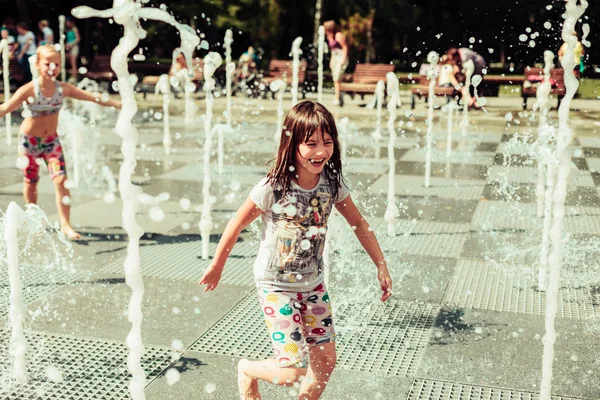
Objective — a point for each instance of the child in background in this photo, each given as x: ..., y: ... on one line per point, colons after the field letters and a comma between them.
x: 43, y: 98
x: 295, y: 200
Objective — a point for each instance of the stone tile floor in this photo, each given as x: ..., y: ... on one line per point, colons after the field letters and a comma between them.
x: 466, y: 319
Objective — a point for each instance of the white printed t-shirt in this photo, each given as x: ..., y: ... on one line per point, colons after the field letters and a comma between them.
x: 290, y: 257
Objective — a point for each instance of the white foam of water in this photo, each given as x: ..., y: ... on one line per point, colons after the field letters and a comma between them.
x: 230, y: 69
x: 321, y: 42
x: 433, y: 59
x: 295, y: 68
x: 212, y: 61
x: 61, y: 41
x: 163, y: 86
x: 278, y: 86
x: 5, y: 72
x: 391, y: 212
x: 573, y: 13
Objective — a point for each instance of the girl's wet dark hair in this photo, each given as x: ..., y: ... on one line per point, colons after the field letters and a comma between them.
x: 301, y: 122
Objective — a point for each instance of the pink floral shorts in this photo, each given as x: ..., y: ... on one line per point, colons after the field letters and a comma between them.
x: 47, y: 148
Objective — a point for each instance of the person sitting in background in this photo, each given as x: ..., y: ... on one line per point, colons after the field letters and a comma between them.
x: 462, y: 58
x: 5, y: 35
x: 179, y: 73
x: 247, y: 63
x: 27, y: 48
x: 447, y: 75
x: 47, y: 34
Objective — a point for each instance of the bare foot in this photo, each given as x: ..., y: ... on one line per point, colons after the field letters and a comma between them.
x: 248, y: 387
x: 70, y: 232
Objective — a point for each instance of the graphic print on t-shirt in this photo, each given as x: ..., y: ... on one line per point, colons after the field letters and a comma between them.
x: 299, y: 230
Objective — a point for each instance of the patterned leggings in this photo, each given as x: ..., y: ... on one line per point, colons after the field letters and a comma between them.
x: 297, y: 321
x: 47, y: 148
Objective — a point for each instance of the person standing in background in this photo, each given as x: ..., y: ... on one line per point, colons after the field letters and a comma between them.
x: 47, y: 34
x: 339, y: 56
x: 27, y: 48
x: 72, y: 46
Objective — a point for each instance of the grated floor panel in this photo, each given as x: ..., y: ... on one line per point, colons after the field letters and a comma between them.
x: 406, y: 185
x: 479, y: 285
x: 180, y: 258
x: 391, y: 340
x: 91, y: 369
x: 427, y: 389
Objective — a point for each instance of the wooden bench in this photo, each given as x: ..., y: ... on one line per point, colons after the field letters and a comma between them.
x: 282, y: 69
x: 557, y: 78
x: 365, y: 78
x: 422, y: 88
x: 100, y: 69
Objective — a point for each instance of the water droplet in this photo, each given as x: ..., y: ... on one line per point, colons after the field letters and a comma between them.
x: 176, y: 345
x: 22, y: 162
x: 66, y: 200
x: 109, y: 197
x: 185, y: 203
x: 53, y: 374
x: 523, y: 37
x: 305, y: 244
x: 156, y: 214
x: 82, y: 70
x: 210, y: 387
x: 172, y: 376
x: 471, y: 40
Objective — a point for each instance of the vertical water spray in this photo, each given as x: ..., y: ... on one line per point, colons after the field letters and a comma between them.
x: 391, y: 212
x: 432, y: 59
x: 229, y: 69
x: 469, y: 69
x: 163, y: 86
x: 344, y: 126
x: 321, y: 43
x: 5, y: 61
x: 212, y: 61
x: 379, y: 98
x: 128, y: 14
x: 564, y: 136
x: 450, y: 107
x: 296, y: 51
x: 278, y: 86
x: 14, y: 218
x: 61, y: 41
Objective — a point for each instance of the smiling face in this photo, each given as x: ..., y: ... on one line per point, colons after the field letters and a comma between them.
x: 313, y: 154
x: 48, y: 64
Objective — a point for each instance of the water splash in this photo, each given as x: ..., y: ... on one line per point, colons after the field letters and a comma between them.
x: 278, y: 86
x: 564, y: 136
x: 230, y: 69
x: 321, y: 42
x: 433, y: 59
x: 163, y: 86
x: 5, y: 72
x: 212, y: 61
x: 391, y: 212
x: 296, y: 51
x: 61, y: 41
x: 128, y: 14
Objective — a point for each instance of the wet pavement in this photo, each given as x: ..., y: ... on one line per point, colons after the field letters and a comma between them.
x: 466, y: 319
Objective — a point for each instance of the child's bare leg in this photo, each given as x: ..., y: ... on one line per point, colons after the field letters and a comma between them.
x: 336, y: 85
x: 64, y: 210
x: 30, y: 192
x: 322, y: 362
x: 249, y: 372
x: 73, y: 60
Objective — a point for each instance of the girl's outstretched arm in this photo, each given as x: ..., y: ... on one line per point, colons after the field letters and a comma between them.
x: 16, y: 100
x: 76, y: 93
x: 247, y: 213
x: 367, y: 239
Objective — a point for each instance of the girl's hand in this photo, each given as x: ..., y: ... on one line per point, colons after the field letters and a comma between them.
x: 385, y: 282
x: 211, y: 277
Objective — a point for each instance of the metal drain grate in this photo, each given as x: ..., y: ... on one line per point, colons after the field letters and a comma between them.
x: 462, y: 189
x: 492, y: 214
x: 91, y: 369
x: 30, y: 294
x: 478, y: 285
x: 457, y: 157
x: 391, y: 341
x: 514, y: 175
x: 179, y: 258
x: 426, y: 389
